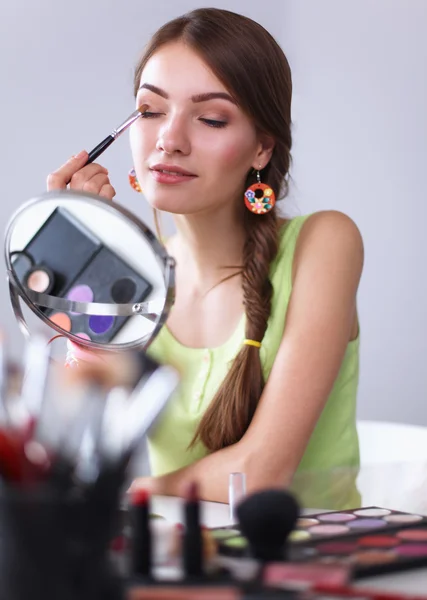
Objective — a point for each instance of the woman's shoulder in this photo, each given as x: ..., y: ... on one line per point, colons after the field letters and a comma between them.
x: 325, y: 221
x: 328, y: 230
x: 318, y: 237
x: 332, y: 220
x: 328, y: 240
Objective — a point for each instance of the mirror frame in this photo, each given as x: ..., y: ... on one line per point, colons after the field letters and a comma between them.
x: 18, y: 292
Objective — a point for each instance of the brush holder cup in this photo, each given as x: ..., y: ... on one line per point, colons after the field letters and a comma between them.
x: 89, y: 270
x: 55, y: 545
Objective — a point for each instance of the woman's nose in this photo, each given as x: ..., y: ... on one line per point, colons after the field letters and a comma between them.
x: 174, y: 137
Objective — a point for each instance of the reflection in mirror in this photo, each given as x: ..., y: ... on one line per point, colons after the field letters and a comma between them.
x: 89, y: 269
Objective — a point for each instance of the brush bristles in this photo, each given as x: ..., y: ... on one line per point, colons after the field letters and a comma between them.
x: 142, y: 108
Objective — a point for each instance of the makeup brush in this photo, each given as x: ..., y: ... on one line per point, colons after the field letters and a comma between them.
x: 99, y: 149
x: 37, y: 359
x: 266, y: 519
x: 3, y: 383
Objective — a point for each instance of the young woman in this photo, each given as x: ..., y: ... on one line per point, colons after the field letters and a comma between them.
x: 264, y: 328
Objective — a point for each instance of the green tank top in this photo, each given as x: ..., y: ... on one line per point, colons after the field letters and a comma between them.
x: 328, y: 469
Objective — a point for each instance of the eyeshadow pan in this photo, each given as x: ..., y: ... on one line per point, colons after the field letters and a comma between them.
x: 331, y: 560
x: 100, y: 323
x: 236, y: 542
x: 38, y: 281
x: 80, y: 293
x: 224, y: 534
x: 336, y: 517
x: 413, y: 535
x: 309, y: 551
x: 123, y: 290
x: 62, y: 320
x: 412, y: 550
x: 328, y: 529
x: 298, y: 536
x: 378, y: 541
x: 83, y: 335
x: 403, y: 519
x: 367, y: 524
x: 372, y: 512
x: 373, y: 557
x: 337, y: 547
x: 307, y: 522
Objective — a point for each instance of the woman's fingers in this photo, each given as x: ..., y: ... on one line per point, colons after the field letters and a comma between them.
x: 81, y: 178
x: 92, y: 178
x: 107, y: 191
x: 92, y: 185
x: 59, y: 179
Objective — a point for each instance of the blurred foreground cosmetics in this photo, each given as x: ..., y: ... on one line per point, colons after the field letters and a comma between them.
x: 66, y: 439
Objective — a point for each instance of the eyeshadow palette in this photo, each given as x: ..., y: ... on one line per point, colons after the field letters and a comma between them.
x: 81, y: 269
x: 50, y: 272
x: 371, y: 540
x: 356, y: 522
x: 106, y: 278
x: 370, y: 554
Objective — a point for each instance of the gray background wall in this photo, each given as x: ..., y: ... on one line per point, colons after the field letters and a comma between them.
x: 360, y: 140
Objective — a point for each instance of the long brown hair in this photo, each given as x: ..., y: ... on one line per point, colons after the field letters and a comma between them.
x: 252, y: 66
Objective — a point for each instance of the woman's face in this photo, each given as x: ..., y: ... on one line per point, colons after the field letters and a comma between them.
x: 193, y: 151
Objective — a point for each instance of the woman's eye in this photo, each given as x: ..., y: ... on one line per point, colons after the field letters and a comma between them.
x: 214, y: 122
x: 150, y: 115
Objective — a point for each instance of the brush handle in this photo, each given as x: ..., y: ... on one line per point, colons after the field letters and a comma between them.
x: 99, y: 149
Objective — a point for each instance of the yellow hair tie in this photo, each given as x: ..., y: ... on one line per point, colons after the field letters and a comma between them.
x: 252, y: 343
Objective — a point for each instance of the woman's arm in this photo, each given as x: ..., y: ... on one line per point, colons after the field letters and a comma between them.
x: 321, y: 313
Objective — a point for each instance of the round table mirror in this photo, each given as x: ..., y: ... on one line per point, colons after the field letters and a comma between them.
x: 89, y: 270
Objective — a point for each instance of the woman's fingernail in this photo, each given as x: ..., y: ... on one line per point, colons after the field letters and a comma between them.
x: 80, y: 154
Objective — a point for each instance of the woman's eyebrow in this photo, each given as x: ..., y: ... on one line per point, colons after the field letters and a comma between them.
x: 197, y: 98
x: 155, y: 89
x: 212, y: 96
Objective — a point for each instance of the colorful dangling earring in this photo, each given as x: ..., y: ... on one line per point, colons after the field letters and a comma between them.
x: 259, y: 197
x: 134, y: 181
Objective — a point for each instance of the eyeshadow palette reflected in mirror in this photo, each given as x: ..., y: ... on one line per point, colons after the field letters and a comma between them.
x: 106, y: 278
x: 67, y: 260
x: 55, y: 254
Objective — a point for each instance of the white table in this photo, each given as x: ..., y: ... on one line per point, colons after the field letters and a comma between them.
x: 214, y: 514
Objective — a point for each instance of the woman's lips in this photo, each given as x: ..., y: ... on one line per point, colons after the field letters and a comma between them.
x: 163, y: 173
x: 170, y: 176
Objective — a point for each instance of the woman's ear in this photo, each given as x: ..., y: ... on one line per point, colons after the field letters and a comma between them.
x: 264, y: 151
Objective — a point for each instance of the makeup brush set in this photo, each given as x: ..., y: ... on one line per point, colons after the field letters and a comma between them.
x: 66, y: 439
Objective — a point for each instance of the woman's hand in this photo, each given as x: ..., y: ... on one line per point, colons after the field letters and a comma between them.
x: 92, y: 178
x: 79, y: 354
x: 107, y: 368
x: 150, y: 484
